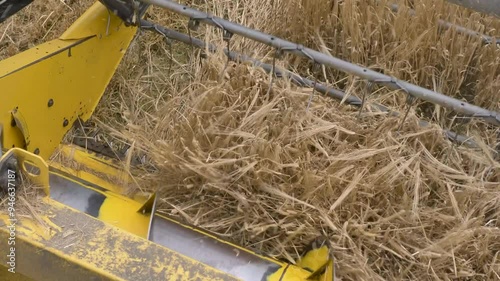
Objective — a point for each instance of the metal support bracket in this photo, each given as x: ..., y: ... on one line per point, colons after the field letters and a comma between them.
x: 32, y: 166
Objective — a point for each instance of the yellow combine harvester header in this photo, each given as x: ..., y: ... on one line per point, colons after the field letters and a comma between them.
x: 88, y: 230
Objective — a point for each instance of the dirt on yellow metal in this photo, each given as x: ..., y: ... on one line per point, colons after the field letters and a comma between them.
x: 46, y: 88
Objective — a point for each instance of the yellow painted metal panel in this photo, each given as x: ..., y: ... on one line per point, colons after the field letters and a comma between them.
x: 41, y: 178
x: 121, y: 212
x: 49, y: 86
x: 93, y: 168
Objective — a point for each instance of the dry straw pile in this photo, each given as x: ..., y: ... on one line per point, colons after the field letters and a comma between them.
x: 261, y: 170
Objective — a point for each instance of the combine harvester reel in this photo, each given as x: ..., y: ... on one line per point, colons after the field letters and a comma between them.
x: 89, y: 230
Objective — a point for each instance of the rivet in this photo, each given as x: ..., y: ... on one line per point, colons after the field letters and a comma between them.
x: 65, y: 123
x: 50, y: 103
x: 37, y: 151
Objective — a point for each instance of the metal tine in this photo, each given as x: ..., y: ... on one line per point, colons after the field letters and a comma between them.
x: 151, y: 26
x: 193, y: 24
x: 135, y: 16
x: 455, y: 140
x: 316, y: 69
x: 170, y: 49
x: 410, y: 99
x: 171, y: 58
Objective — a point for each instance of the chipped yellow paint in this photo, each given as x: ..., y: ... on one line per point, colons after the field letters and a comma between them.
x: 103, y: 250
x: 40, y: 247
x: 46, y: 219
x: 329, y: 274
x: 117, y: 210
x: 315, y: 259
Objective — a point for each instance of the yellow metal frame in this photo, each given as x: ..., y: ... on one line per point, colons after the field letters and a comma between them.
x: 46, y: 88
x: 89, y: 249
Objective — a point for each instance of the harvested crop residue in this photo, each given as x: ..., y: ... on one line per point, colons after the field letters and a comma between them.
x: 261, y: 169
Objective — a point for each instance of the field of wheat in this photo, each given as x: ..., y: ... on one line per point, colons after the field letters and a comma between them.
x: 263, y: 169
